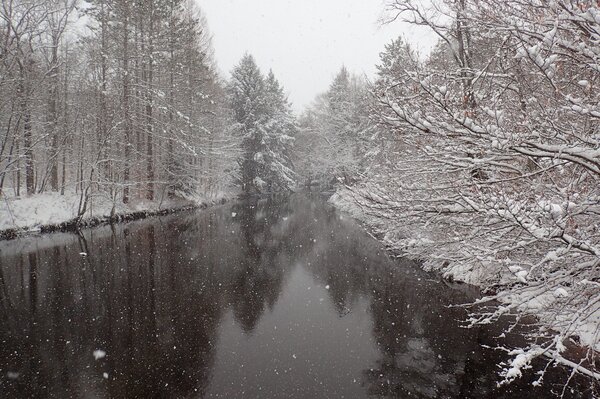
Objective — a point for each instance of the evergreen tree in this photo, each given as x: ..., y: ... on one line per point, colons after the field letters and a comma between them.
x: 280, y: 131
x: 339, y: 91
x: 397, y: 60
x: 246, y: 91
x: 266, y: 125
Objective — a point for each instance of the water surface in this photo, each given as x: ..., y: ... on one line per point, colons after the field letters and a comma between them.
x: 268, y: 299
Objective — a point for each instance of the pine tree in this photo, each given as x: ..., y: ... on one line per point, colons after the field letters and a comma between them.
x: 266, y: 125
x: 248, y: 103
x: 339, y: 91
x: 280, y: 130
x: 396, y: 60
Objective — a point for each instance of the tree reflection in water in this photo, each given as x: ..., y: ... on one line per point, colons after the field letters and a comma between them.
x: 155, y: 295
x: 257, y: 282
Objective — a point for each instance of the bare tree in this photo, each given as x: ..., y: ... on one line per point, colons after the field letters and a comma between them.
x: 495, y: 176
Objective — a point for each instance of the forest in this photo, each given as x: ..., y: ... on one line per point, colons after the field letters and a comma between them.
x: 480, y: 159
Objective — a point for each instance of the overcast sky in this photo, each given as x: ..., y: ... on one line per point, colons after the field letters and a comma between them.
x: 305, y: 42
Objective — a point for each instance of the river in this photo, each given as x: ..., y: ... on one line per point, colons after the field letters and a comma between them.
x: 259, y: 299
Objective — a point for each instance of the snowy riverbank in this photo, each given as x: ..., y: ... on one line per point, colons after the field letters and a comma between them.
x: 560, y: 326
x: 52, y: 211
x: 399, y: 236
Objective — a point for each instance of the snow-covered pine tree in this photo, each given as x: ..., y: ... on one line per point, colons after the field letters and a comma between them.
x: 266, y: 125
x: 246, y: 90
x: 339, y: 91
x: 279, y: 133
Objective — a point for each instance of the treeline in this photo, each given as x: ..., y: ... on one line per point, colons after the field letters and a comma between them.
x: 484, y: 159
x: 119, y: 98
x: 335, y: 132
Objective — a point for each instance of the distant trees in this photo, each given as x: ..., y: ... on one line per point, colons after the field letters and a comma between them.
x: 335, y: 131
x: 126, y: 108
x: 267, y: 128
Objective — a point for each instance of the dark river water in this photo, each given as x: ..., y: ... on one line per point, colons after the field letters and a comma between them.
x: 269, y: 299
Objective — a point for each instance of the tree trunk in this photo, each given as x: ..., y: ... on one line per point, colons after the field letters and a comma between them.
x: 126, y: 103
x: 53, y: 115
x: 170, y: 156
x: 103, y: 117
x: 27, y: 133
x: 18, y: 171
x: 65, y: 124
x: 149, y: 110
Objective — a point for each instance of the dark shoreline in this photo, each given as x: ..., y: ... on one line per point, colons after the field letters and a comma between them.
x: 74, y: 225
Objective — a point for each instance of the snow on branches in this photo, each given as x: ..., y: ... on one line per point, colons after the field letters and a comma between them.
x: 492, y: 171
x: 266, y: 126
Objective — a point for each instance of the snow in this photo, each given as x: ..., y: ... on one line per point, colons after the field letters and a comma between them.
x: 260, y: 183
x: 583, y: 83
x: 99, y: 354
x: 42, y: 209
x: 503, y: 193
x: 561, y: 293
x: 525, y: 297
x: 259, y: 158
x: 521, y: 361
x: 12, y: 375
x: 522, y: 276
x: 29, y: 213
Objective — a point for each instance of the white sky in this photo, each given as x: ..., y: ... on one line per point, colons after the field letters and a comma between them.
x: 305, y: 42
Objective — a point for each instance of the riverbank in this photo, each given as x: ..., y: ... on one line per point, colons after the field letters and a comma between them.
x: 49, y: 212
x: 560, y: 315
x: 397, y: 237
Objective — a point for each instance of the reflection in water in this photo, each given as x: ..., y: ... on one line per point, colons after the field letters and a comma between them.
x: 263, y: 299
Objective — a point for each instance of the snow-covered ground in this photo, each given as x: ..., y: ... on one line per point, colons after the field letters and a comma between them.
x: 397, y: 238
x: 29, y: 213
